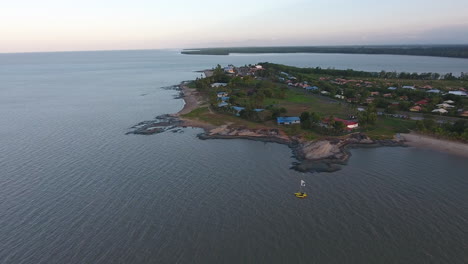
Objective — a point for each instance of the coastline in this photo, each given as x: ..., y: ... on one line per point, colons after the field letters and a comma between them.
x: 320, y: 155
x: 427, y: 142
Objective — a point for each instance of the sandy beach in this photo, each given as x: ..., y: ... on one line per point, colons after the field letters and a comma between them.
x: 191, y: 99
x: 423, y: 141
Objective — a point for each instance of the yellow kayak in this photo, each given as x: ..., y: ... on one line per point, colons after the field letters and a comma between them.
x: 300, y: 195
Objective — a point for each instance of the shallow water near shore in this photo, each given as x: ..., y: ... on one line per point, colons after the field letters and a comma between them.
x: 75, y: 189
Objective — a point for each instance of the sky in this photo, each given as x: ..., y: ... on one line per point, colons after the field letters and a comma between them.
x: 65, y: 25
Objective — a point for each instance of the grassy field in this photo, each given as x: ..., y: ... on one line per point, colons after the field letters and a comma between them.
x: 205, y: 115
x: 387, y: 127
x: 297, y: 101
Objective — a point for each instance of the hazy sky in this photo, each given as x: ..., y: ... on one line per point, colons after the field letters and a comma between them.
x: 59, y: 25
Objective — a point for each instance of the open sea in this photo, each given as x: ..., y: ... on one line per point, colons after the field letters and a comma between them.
x: 75, y: 189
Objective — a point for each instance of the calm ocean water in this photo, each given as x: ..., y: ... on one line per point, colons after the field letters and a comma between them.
x: 75, y: 189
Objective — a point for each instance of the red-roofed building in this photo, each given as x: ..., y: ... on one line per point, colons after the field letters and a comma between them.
x: 422, y: 102
x: 349, y: 124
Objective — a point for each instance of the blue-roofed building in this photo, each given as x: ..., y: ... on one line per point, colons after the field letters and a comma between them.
x: 224, y: 98
x: 392, y: 88
x: 259, y: 110
x: 238, y: 109
x: 311, y: 88
x: 223, y: 104
x: 434, y: 91
x: 288, y: 120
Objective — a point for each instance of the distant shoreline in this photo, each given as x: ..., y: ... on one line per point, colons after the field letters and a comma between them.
x: 450, y: 51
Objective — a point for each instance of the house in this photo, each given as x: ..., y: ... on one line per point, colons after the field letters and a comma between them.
x: 426, y: 87
x: 288, y: 120
x: 369, y: 100
x: 224, y: 99
x: 325, y: 92
x: 440, y: 111
x: 392, y: 88
x: 222, y: 94
x: 422, y: 102
x: 258, y: 110
x: 416, y: 108
x: 464, y: 113
x: 216, y: 85
x: 229, y: 69
x: 339, y: 96
x: 258, y: 67
x: 311, y: 88
x: 444, y: 105
x: 459, y: 93
x: 387, y: 95
x: 374, y: 93
x: 434, y: 91
x: 408, y: 87
x: 348, y: 123
x: 449, y: 102
x: 238, y: 109
x: 223, y: 104
x: 403, y: 98
x: 360, y: 109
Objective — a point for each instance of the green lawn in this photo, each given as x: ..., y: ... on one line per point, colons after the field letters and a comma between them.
x: 388, y: 127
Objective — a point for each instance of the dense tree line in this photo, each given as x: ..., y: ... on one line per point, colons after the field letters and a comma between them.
x: 299, y: 72
x: 456, y: 51
x: 457, y: 130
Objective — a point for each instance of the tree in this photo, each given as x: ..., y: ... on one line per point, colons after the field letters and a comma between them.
x: 339, y: 126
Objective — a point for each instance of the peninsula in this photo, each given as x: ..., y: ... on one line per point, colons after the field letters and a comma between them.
x: 320, y: 113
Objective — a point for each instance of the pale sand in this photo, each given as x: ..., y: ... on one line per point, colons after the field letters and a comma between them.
x: 191, y: 99
x: 423, y: 141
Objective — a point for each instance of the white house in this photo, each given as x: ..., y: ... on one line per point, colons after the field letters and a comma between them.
x: 459, y: 93
x: 440, y: 111
x: 216, y: 85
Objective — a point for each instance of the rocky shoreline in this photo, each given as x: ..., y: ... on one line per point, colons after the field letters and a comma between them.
x: 322, y: 155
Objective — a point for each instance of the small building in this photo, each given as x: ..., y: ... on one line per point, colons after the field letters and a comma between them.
x: 436, y: 91
x: 258, y: 110
x: 449, y: 102
x: 374, y: 93
x: 325, y: 92
x: 416, y: 108
x: 392, y: 88
x: 348, y: 123
x: 225, y: 98
x: 464, y: 114
x: 238, y: 109
x: 339, y: 96
x: 311, y: 88
x: 229, y: 69
x: 222, y: 94
x: 445, y: 106
x: 459, y: 93
x: 408, y: 87
x: 422, y: 102
x: 288, y: 120
x: 387, y: 95
x: 440, y: 111
x: 223, y: 104
x: 216, y: 85
x: 370, y: 100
